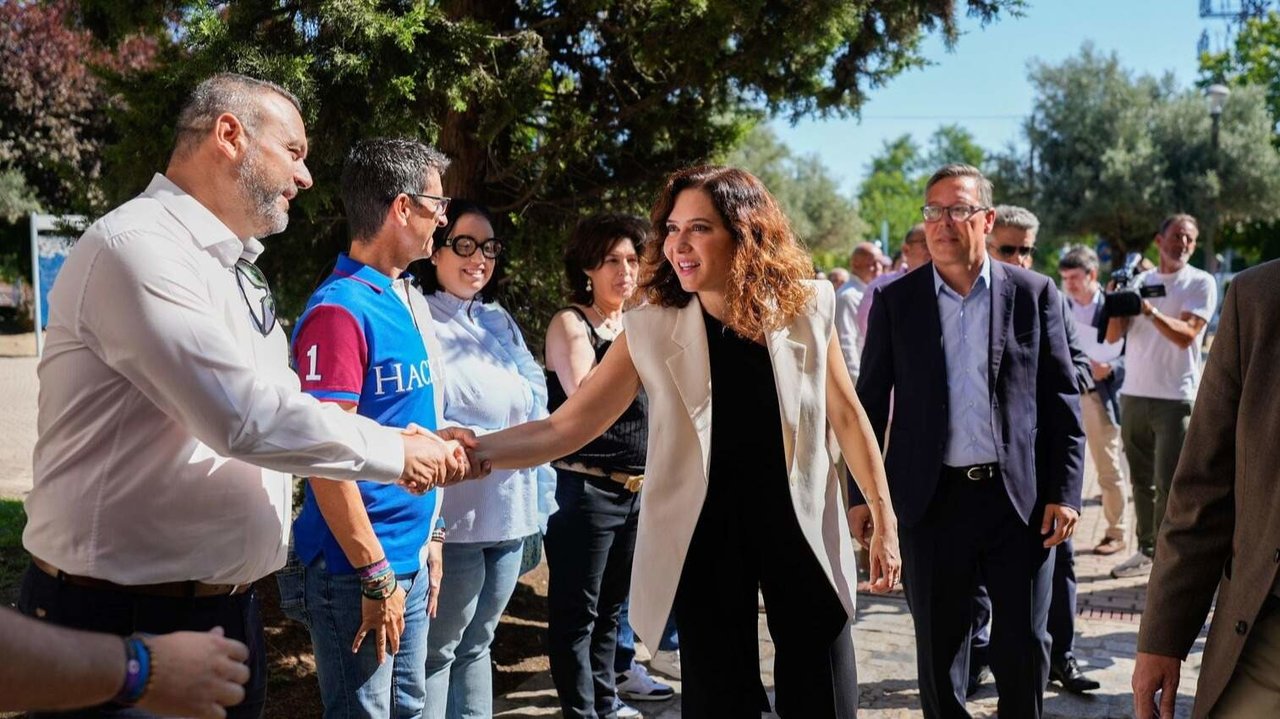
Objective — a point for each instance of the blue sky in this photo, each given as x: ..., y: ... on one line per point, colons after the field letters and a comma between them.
x: 982, y: 84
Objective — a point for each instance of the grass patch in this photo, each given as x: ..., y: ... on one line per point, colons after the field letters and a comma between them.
x: 13, y: 558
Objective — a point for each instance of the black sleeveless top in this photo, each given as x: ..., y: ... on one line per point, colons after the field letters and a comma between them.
x: 622, y: 447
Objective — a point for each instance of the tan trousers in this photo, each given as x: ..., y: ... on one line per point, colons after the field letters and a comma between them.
x: 1103, y: 438
x: 1254, y: 689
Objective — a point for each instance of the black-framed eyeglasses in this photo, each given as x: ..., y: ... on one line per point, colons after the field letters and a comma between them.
x: 958, y: 213
x: 1011, y: 250
x: 257, y: 295
x: 466, y: 246
x: 441, y: 202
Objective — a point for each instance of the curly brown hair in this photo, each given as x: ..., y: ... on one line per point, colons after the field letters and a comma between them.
x: 764, y: 290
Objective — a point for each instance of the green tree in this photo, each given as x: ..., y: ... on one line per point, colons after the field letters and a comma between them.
x: 1115, y: 153
x: 821, y: 216
x: 549, y: 109
x: 893, y: 190
x: 1251, y: 60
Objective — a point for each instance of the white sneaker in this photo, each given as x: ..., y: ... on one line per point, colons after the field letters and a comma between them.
x: 636, y: 684
x: 622, y: 711
x: 1139, y: 565
x: 666, y: 662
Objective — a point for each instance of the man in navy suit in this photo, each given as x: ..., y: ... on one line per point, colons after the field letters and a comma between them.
x: 976, y: 356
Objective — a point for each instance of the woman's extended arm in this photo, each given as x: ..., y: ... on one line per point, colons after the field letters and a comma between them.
x: 597, y: 403
x: 858, y: 445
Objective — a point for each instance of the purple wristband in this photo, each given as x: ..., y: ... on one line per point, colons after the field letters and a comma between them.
x: 373, y: 570
x: 137, y: 672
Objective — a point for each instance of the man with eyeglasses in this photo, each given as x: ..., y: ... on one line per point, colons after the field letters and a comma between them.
x: 364, y: 342
x: 1163, y: 349
x: 169, y: 421
x: 985, y: 449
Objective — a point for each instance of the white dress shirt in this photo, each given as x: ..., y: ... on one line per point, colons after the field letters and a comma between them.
x: 1087, y: 334
x: 168, y: 424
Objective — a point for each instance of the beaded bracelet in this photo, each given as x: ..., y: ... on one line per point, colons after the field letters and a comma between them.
x: 437, y: 535
x: 137, y: 671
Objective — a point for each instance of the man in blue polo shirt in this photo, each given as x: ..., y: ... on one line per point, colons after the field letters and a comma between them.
x: 362, y: 342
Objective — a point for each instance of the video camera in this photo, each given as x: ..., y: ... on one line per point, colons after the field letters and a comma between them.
x: 1125, y: 298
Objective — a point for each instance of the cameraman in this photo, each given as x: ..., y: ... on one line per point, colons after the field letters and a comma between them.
x: 1163, y: 354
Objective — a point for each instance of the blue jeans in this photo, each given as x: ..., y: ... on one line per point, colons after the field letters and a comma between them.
x: 626, y: 651
x: 479, y: 578
x: 354, y: 685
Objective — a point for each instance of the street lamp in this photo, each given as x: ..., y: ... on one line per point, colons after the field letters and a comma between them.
x: 1217, y: 94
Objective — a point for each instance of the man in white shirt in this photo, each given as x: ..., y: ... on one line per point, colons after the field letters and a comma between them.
x: 865, y: 264
x: 1163, y: 360
x: 1100, y: 406
x: 169, y: 421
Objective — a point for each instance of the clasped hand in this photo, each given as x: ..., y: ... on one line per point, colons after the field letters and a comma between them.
x: 881, y: 541
x: 439, y: 459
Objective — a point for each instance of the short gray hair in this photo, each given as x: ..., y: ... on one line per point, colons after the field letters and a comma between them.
x: 379, y: 170
x: 222, y: 93
x: 959, y: 169
x: 1178, y: 217
x: 1017, y: 217
x: 1079, y: 258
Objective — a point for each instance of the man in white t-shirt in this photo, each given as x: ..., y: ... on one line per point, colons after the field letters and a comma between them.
x: 1099, y: 406
x: 1163, y: 359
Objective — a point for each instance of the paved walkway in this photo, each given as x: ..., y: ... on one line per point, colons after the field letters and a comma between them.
x: 1106, y: 643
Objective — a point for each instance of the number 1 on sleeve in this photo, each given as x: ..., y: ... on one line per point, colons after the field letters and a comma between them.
x: 312, y: 374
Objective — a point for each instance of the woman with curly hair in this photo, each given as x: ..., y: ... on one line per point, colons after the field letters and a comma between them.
x: 737, y: 353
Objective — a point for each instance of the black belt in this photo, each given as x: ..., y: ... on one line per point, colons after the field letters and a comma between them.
x: 973, y: 472
x: 165, y: 589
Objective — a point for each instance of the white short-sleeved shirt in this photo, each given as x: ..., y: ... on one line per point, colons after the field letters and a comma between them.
x: 1155, y: 367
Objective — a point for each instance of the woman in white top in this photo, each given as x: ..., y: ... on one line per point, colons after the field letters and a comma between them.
x: 490, y: 382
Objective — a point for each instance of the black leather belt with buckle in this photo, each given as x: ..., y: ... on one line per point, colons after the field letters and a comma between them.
x: 974, y: 472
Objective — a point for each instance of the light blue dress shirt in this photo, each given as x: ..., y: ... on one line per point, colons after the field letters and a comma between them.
x: 966, y: 344
x: 491, y: 382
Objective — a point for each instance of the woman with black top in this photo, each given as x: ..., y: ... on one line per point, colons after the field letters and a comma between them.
x: 591, y: 537
x: 737, y: 352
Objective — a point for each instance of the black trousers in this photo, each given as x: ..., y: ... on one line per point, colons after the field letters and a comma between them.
x: 589, y: 544
x: 743, y: 545
x: 1062, y: 612
x: 971, y: 532
x: 114, y: 612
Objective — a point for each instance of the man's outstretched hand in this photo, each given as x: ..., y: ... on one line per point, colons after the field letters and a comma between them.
x: 466, y: 439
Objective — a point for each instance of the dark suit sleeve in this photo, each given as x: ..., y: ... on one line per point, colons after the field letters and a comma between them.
x: 1195, y: 536
x: 1084, y: 370
x: 875, y: 382
x: 1058, y: 406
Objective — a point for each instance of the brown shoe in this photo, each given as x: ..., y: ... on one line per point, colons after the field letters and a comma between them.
x: 1109, y: 546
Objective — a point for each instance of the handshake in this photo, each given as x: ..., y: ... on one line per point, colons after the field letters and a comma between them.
x: 439, y: 459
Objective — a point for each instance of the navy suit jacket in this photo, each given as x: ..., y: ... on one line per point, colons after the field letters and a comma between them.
x: 1035, y: 394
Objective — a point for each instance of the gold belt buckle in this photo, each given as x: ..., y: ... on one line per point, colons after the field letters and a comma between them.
x: 634, y: 482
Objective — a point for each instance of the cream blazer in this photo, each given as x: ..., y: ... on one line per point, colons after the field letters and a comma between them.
x: 669, y: 349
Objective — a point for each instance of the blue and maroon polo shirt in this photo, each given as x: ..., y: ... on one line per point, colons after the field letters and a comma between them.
x: 357, y: 342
